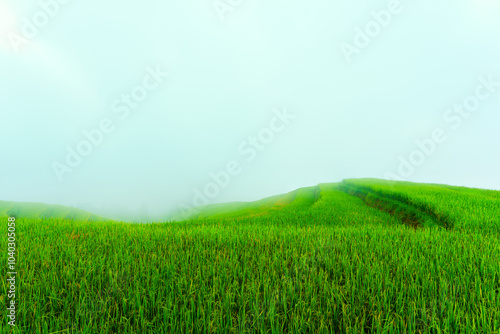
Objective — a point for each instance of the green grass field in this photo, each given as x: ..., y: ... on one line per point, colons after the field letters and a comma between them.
x: 360, y: 256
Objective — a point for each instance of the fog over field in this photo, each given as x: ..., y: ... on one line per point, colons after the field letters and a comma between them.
x: 132, y: 110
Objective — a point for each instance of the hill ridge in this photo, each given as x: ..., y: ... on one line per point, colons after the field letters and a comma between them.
x: 417, y: 205
x: 45, y: 211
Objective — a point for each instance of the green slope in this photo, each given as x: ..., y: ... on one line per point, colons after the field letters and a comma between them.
x: 457, y: 208
x: 5, y: 207
x: 298, y: 198
x: 333, y: 258
x: 45, y: 211
x: 415, y: 204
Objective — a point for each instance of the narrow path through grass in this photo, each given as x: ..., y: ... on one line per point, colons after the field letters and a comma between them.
x: 397, y: 206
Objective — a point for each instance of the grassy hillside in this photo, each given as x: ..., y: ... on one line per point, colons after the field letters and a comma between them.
x: 39, y: 210
x: 457, y: 208
x: 414, y: 204
x: 295, y: 199
x: 361, y: 256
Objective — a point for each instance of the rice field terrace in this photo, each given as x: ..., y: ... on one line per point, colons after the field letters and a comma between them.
x: 360, y: 256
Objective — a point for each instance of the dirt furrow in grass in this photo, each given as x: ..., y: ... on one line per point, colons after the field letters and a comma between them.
x: 408, y: 213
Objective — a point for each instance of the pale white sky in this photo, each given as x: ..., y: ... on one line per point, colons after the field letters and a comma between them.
x: 352, y: 117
